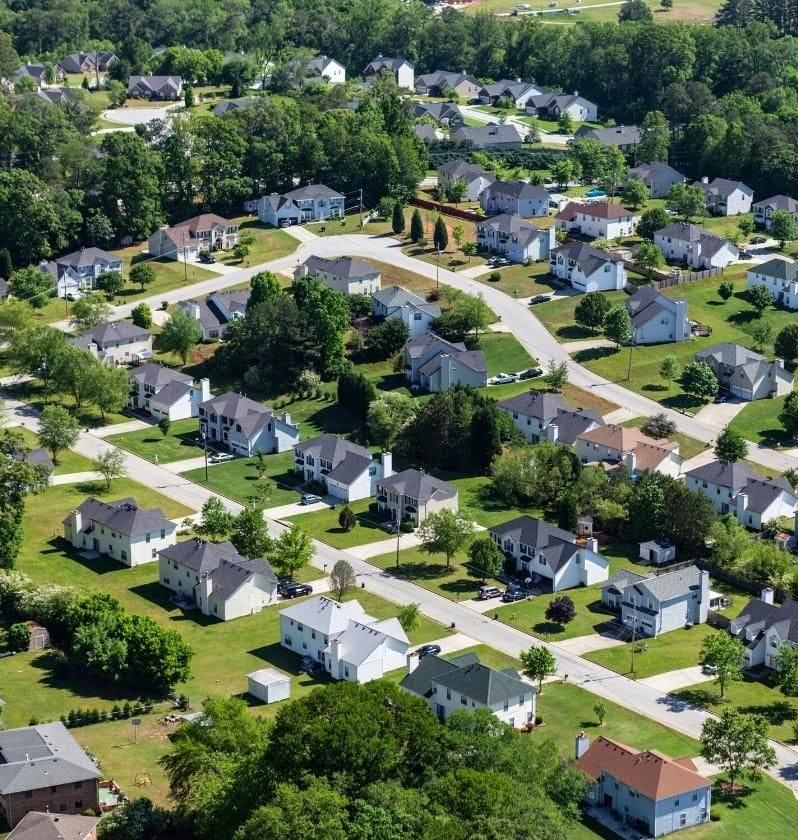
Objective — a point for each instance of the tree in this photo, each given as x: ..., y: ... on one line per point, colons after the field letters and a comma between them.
x: 164, y: 424
x: 788, y: 669
x: 111, y: 282
x: 730, y: 541
x: 738, y: 744
x: 342, y: 579
x: 469, y: 249
x: 788, y: 416
x: 77, y: 371
x: 786, y: 344
x: 761, y: 297
x: 293, y: 550
x: 783, y: 227
x: 217, y: 522
x: 746, y: 226
x: 89, y: 311
x: 440, y: 235
x: 652, y: 221
x: 409, y: 617
x: 649, y: 257
x: 398, y: 218
x: 731, y: 446
x: 600, y: 708
x: 646, y: 509
x: 721, y: 657
x: 654, y: 138
x: 565, y: 124
x: 180, y: 334
x: 388, y: 338
x: 6, y: 267
x: 387, y: 416
x: 538, y: 663
x: 562, y: 171
x: 265, y: 286
x: 18, y: 637
x: 762, y: 334
x: 725, y: 289
x: 561, y: 610
x: 15, y: 315
x: 445, y: 532
x: 139, y: 820
x: 250, y: 534
x: 591, y: 310
x: 347, y: 519
x: 634, y: 10
x: 687, y: 202
x: 458, y: 232
x: 635, y: 193
x: 143, y: 274
x: 614, y: 168
x: 485, y: 557
x: 416, y: 226
x: 142, y: 316
x: 32, y: 285
x: 556, y: 375
x: 658, y: 426
x: 241, y: 251
x: 458, y: 191
x: 58, y: 429
x: 618, y: 326
x: 670, y: 369
x: 698, y: 380
x: 110, y: 464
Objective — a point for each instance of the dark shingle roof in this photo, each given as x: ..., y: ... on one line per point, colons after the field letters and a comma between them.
x: 123, y: 515
x: 778, y: 268
x: 344, y: 267
x: 38, y: 825
x: 531, y: 531
x: 331, y: 448
x: 487, y: 135
x: 419, y: 485
x: 588, y: 258
x: 723, y: 474
x: 350, y: 468
x: 756, y: 614
x: 465, y: 171
x: 763, y: 492
x: 419, y: 345
x: 108, y: 334
x: 537, y: 404
x: 511, y: 225
x: 729, y: 354
x: 250, y: 415
x: 570, y: 424
x: 519, y: 190
x: 158, y: 375
x: 312, y: 191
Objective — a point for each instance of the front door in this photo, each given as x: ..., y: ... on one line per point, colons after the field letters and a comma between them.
x: 96, y: 544
x: 607, y: 801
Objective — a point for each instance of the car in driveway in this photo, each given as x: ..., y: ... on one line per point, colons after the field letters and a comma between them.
x: 530, y: 373
x: 309, y: 499
x: 221, y: 457
x: 514, y: 593
x: 721, y: 397
x: 505, y: 378
x: 539, y: 299
x: 427, y: 649
x: 291, y: 589
x: 759, y: 240
x: 309, y: 665
x: 391, y: 526
x: 207, y: 258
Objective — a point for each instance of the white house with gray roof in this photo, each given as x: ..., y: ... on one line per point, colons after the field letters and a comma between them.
x: 311, y: 203
x: 552, y: 104
x: 351, y: 644
x: 347, y: 275
x: 623, y: 137
x: 217, y: 310
x: 542, y: 416
x: 517, y: 198
x: 658, y: 177
x: 443, y: 82
x: 472, y: 175
x: 519, y: 241
x: 327, y: 69
x: 217, y: 579
x: 778, y: 275
x: 163, y: 392
x: 491, y: 136
x: 350, y: 472
x: 155, y: 87
x: 683, y: 242
x: 657, y: 319
x: 586, y: 268
x: 510, y: 90
x: 763, y: 628
x: 116, y: 343
x: 444, y: 114
x: 546, y: 552
x: 413, y: 310
x: 434, y: 364
x: 657, y: 602
x: 245, y: 426
x: 120, y: 529
x: 720, y: 482
x: 401, y: 69
x: 764, y: 210
x: 463, y: 682
x: 745, y: 374
x: 78, y: 272
x: 414, y: 495
x: 723, y: 197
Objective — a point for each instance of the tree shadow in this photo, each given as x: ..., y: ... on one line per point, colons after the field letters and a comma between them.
x: 574, y: 332
x: 592, y: 354
x: 654, y: 387
x: 155, y: 594
x: 782, y: 711
x: 93, y: 488
x: 333, y: 418
x: 81, y: 686
x: 547, y: 628
x: 715, y: 302
x: 699, y: 697
x: 100, y: 565
x: 744, y: 317
x: 392, y: 382
x: 682, y: 402
x: 278, y: 656
x: 721, y: 794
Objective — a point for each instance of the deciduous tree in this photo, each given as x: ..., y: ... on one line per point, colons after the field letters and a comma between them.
x: 217, y: 522
x: 561, y: 610
x: 110, y: 464
x: 409, y: 617
x: 387, y: 416
x: 731, y: 446
x: 670, y: 369
x: 143, y: 274
x: 591, y: 310
x: 89, y: 311
x: 538, y: 663
x: 783, y: 227
x: 556, y: 376
x: 485, y: 557
x: 786, y: 344
x: 761, y: 297
x: 180, y: 334
x: 293, y: 550
x: 635, y: 193
x: 725, y: 289
x: 445, y: 532
x: 32, y: 285
x: 699, y: 380
x: 58, y: 429
x: 250, y: 534
x: 788, y: 416
x: 649, y: 257
x: 342, y: 579
x: 721, y: 656
x: 651, y: 221
x: 618, y: 326
x: 738, y: 744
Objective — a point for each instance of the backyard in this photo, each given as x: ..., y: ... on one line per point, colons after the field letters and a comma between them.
x: 266, y: 243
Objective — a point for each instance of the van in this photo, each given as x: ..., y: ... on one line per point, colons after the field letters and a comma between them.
x: 486, y: 592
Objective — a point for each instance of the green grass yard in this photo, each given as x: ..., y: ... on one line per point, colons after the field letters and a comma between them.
x: 577, y: 397
x: 68, y: 461
x: 323, y: 525
x: 504, y: 353
x: 148, y: 443
x: 523, y: 281
x: 759, y: 422
x: 689, y: 447
x: 267, y: 243
x: 88, y: 415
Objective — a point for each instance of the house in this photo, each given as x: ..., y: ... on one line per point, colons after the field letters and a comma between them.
x: 654, y: 793
x: 463, y: 682
x: 217, y: 310
x: 327, y: 69
x: 52, y: 96
x: 683, y: 242
x: 658, y: 177
x: 541, y: 550
x: 553, y: 104
x: 162, y: 88
x: 427, y: 133
x: 269, y: 685
x: 543, y: 416
x: 519, y: 241
x: 623, y: 137
x: 445, y: 83
x: 78, y: 272
x: 245, y: 426
x: 42, y: 825
x: 444, y: 114
x: 659, y: 601
x: 657, y: 319
x: 39, y: 74
x: 185, y: 240
x: 3, y: 289
x: 347, y: 275
x: 39, y: 458
x: 763, y: 628
x: 312, y: 203
x: 720, y: 482
x: 493, y: 136
x: 510, y: 91
x: 349, y: 472
x: 215, y: 578
x: 43, y: 768
x: 657, y: 552
x: 351, y: 644
x: 745, y: 374
x: 95, y: 61
x: 726, y: 198
x: 517, y: 198
x: 120, y: 529
x: 117, y: 343
x: 163, y: 392
x: 414, y: 495
x: 586, y: 268
x: 764, y: 210
x: 401, y: 69
x: 434, y: 364
x: 780, y: 276
x: 472, y: 175
x: 613, y: 444
x: 226, y: 106
x: 395, y: 302
x: 602, y: 219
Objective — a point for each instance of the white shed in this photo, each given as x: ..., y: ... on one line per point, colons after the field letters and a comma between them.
x: 269, y: 685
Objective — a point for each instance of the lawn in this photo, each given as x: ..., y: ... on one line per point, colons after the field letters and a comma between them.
x: 478, y: 503
x: 351, y: 224
x: 267, y: 243
x: 558, y: 316
x: 689, y: 447
x: 68, y: 461
x: 523, y: 281
x: 323, y: 525
x: 504, y: 353
x: 577, y: 397
x: 759, y: 422
x: 88, y: 416
x: 150, y: 443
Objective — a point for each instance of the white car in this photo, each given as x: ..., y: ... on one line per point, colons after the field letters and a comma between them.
x: 220, y: 457
x: 505, y: 378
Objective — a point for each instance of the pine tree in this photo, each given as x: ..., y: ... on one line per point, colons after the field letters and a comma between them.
x: 398, y: 220
x: 5, y: 264
x: 416, y: 226
x: 440, y: 236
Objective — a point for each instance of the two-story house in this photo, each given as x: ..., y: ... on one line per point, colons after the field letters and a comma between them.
x: 778, y: 275
x: 444, y: 114
x: 659, y: 601
x: 315, y: 203
x: 186, y: 240
x: 215, y: 578
x: 463, y: 682
x: 586, y: 268
x: 217, y: 310
x: 689, y: 244
x: 434, y: 364
x: 245, y: 426
x: 745, y: 374
x: 91, y: 61
x: 475, y: 178
x: 658, y: 177
x: 78, y: 272
x: 351, y: 644
x: 117, y: 343
x: 349, y: 472
x: 600, y: 219
x: 414, y: 495
x: 546, y: 552
x: 517, y: 198
x: 163, y: 88
x: 657, y: 319
x: 720, y: 482
x: 492, y: 136
x: 43, y: 768
x: 726, y: 198
x: 400, y: 69
x: 413, y: 310
x: 613, y: 444
x: 163, y: 392
x: 347, y: 275
x: 654, y: 794
x: 519, y: 241
x: 444, y: 83
x: 763, y: 628
x: 120, y: 529
x: 764, y: 210
x: 327, y: 69
x: 278, y: 210
x: 623, y: 137
x: 542, y: 416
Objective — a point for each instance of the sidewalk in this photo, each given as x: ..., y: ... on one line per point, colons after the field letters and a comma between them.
x: 386, y: 546
x: 620, y: 415
x: 76, y: 478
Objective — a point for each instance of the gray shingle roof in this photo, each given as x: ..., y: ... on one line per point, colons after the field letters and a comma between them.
x: 465, y: 171
x: 623, y: 577
x: 543, y: 406
x: 570, y: 424
x: 437, y: 111
x: 421, y: 344
x: 38, y: 825
x: 395, y: 296
x: 756, y: 614
x: 722, y: 186
x: 512, y: 225
x: 331, y: 448
x: 723, y: 474
x: 312, y: 191
x: 345, y: 267
x: 419, y: 485
x: 383, y: 62
x: 430, y: 667
x: 670, y: 585
x: 85, y: 257
x: 619, y: 135
x: 472, y: 359
x: 763, y: 492
x: 729, y: 354
x: 483, y: 685
x: 778, y: 268
x: 158, y: 375
x: 250, y: 415
x: 647, y: 171
x: 588, y: 258
x: 123, y: 515
x: 104, y: 335
x: 531, y: 531
x: 351, y: 468
x: 171, y: 393
x: 519, y: 190
x: 326, y: 616
x: 778, y: 202
x: 488, y: 135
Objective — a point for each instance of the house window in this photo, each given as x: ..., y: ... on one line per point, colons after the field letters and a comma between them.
x: 28, y: 794
x: 147, y: 538
x: 346, y: 670
x: 154, y: 552
x: 300, y: 627
x: 312, y: 634
x: 774, y: 643
x: 287, y: 641
x: 166, y: 580
x: 124, y: 554
x: 215, y: 608
x: 464, y: 699
x: 695, y: 797
x: 682, y: 819
x: 448, y: 694
x: 506, y: 705
x: 676, y: 802
x: 163, y: 533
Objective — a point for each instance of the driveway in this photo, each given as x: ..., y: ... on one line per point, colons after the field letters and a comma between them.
x: 674, y: 680
x: 584, y: 644
x: 137, y: 116
x: 720, y: 414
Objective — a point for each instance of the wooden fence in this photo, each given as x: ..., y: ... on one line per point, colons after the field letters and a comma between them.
x: 447, y: 210
x: 687, y: 277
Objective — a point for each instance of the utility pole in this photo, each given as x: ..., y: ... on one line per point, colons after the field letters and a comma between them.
x: 437, y: 267
x: 205, y: 447
x: 360, y: 210
x: 629, y: 369
x: 634, y: 627
x: 185, y: 258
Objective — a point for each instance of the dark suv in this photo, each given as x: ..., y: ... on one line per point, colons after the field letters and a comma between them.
x: 291, y: 589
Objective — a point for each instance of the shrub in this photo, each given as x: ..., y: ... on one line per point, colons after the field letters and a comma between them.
x: 147, y: 708
x: 34, y: 721
x: 374, y: 507
x: 714, y: 815
x: 126, y: 710
x: 495, y: 276
x: 63, y: 719
x: 407, y: 527
x: 18, y: 637
x: 71, y: 717
x: 59, y: 663
x: 116, y: 712
x: 538, y: 720
x: 104, y: 715
x: 94, y: 716
x: 164, y: 305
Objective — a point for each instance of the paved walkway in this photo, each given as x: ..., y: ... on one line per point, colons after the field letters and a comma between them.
x: 76, y: 478
x: 620, y: 415
x: 674, y: 680
x: 584, y: 644
x: 300, y: 233
x: 121, y: 428
x: 294, y: 509
x: 386, y: 546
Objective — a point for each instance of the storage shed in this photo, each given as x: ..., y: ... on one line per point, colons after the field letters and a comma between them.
x: 269, y: 685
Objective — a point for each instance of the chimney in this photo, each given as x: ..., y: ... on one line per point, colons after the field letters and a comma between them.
x: 387, y: 464
x: 205, y: 389
x: 581, y: 745
x: 518, y: 80
x: 742, y: 502
x: 704, y: 179
x: 767, y: 595
x: 619, y: 130
x: 446, y: 372
x: 77, y: 519
x: 412, y: 662
x: 591, y: 544
x: 286, y: 418
x: 779, y: 363
x: 196, y: 311
x: 629, y: 460
x: 576, y: 93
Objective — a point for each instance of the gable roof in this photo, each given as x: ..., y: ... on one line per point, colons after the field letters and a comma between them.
x: 624, y: 438
x: 347, y: 268
x: 762, y: 492
x: 722, y: 187
x: 649, y: 171
x: 487, y: 135
x: 472, y: 359
x: 85, y: 257
x: 419, y: 485
x: 383, y: 62
x: 732, y: 355
x: 123, y: 515
x: 359, y: 640
x: 465, y: 171
x: 519, y: 190
x: 154, y: 83
x: 779, y: 268
x: 646, y: 304
x: 619, y: 135
x: 396, y: 296
x: 326, y: 615
x: 600, y: 210
x: 588, y: 258
x: 250, y: 415
x: 320, y: 63
x: 38, y: 825
x: 531, y: 531
x: 778, y: 202
x: 757, y: 615
x: 539, y: 404
x: 108, y: 334
x: 445, y: 78
x: 724, y: 474
x: 437, y: 110
x: 504, y: 223
x: 571, y: 423
x: 311, y: 192
x: 671, y: 584
x: 157, y: 375
x: 418, y: 346
x: 331, y: 448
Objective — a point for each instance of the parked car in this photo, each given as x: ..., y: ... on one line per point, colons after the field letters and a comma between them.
x: 722, y: 397
x: 745, y: 255
x: 486, y: 592
x: 219, y: 457
x: 501, y: 262
x: 530, y: 373
x: 511, y: 595
x: 425, y: 649
x: 295, y: 590
x: 391, y: 527
x: 759, y: 240
x: 309, y: 499
x: 309, y: 665
x: 539, y: 299
x: 207, y: 258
